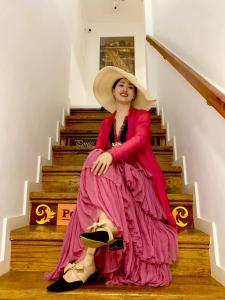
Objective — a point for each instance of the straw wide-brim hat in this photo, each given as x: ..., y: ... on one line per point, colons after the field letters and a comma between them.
x: 103, y: 84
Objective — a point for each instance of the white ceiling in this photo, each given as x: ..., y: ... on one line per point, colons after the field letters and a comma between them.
x: 102, y: 11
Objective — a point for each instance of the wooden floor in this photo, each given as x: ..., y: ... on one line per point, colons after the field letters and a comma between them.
x: 30, y: 285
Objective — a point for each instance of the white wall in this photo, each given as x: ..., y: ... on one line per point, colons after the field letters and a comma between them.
x: 194, y: 30
x: 102, y: 11
x: 148, y: 16
x: 76, y: 22
x: 93, y: 50
x: 35, y: 60
x: 128, y: 20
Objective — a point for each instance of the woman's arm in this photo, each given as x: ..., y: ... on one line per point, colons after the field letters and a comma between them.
x: 104, y: 160
x: 140, y: 138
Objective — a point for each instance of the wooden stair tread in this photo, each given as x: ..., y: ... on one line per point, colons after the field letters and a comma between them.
x: 83, y: 116
x: 31, y: 285
x: 96, y: 109
x: 99, y: 117
x: 73, y: 155
x: 66, y: 195
x: 52, y: 195
x: 85, y: 149
x: 59, y: 168
x: 88, y: 131
x: 193, y: 236
x: 66, y: 168
x: 56, y: 233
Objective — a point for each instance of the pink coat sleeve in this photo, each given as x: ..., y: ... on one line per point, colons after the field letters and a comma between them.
x: 140, y: 138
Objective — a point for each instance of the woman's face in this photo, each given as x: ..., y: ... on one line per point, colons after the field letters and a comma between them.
x: 124, y: 91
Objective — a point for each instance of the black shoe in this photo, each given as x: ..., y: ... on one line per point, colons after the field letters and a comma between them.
x: 116, y: 244
x: 101, y: 238
x: 61, y: 285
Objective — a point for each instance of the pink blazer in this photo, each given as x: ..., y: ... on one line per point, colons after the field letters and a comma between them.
x: 138, y: 147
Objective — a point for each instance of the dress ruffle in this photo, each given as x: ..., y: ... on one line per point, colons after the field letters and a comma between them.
x: 126, y: 194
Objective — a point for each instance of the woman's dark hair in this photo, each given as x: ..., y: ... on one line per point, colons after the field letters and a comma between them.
x: 115, y: 83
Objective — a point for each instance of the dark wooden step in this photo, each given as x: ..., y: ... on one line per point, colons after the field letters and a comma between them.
x: 65, y: 178
x: 73, y: 155
x: 166, y: 168
x: 80, y: 122
x: 87, y: 136
x: 78, y: 114
x: 54, y: 197
x: 99, y: 116
x: 43, y: 243
x: 70, y: 183
x: 92, y: 132
x: 91, y: 111
x: 93, y: 125
x: 164, y: 150
x: 189, y: 237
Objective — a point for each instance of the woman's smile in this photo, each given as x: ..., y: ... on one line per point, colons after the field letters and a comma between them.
x: 124, y: 94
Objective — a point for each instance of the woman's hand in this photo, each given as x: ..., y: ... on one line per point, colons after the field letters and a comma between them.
x: 102, y: 163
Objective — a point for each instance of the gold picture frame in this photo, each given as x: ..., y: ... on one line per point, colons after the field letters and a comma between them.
x: 118, y: 52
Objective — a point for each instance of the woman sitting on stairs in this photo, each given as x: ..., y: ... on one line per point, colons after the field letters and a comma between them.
x: 122, y: 226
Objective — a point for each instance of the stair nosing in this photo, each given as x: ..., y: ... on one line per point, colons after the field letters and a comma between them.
x: 70, y: 169
x: 18, y: 235
x: 171, y: 196
x: 66, y: 148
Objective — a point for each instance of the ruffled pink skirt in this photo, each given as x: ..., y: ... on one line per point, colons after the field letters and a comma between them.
x: 127, y: 196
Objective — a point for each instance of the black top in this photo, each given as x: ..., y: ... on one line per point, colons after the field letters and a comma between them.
x: 122, y: 135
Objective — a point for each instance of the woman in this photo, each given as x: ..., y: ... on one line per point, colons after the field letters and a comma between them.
x: 122, y: 203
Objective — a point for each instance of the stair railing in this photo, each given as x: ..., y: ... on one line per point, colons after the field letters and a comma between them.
x: 213, y: 96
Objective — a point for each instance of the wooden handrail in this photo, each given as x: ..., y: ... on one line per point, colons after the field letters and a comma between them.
x: 213, y: 96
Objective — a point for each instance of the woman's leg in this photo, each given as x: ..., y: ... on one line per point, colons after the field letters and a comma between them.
x: 82, y: 269
x: 100, y: 233
x: 99, y: 199
x: 85, y: 266
x: 103, y: 218
x: 75, y: 274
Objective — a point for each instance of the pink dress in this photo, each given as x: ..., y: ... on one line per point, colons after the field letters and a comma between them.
x: 127, y: 194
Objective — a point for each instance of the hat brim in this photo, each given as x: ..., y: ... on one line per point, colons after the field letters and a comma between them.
x: 103, y: 84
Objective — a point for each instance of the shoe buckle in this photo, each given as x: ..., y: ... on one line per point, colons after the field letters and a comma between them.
x: 74, y: 266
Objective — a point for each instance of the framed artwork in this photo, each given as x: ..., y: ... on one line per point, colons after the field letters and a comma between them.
x: 118, y: 52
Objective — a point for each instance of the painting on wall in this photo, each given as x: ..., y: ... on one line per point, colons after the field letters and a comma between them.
x: 118, y: 52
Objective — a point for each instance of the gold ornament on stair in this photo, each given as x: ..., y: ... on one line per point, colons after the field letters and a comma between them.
x: 45, y: 211
x: 180, y: 212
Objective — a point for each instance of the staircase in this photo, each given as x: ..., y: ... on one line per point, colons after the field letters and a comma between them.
x: 36, y: 247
